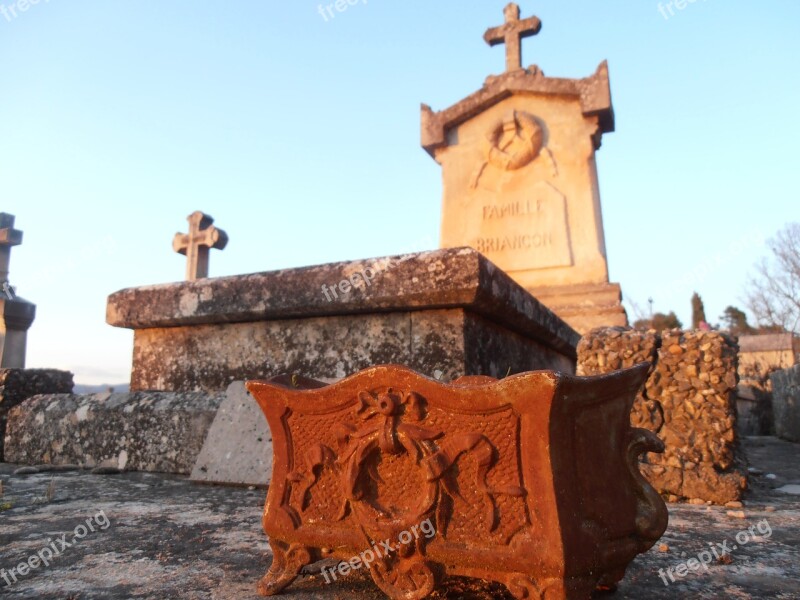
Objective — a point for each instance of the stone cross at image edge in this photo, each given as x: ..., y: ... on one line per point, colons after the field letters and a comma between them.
x: 196, y: 244
x: 16, y: 314
x: 511, y: 34
x: 9, y: 237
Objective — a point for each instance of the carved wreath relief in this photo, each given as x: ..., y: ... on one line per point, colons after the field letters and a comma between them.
x: 512, y: 144
x: 395, y: 472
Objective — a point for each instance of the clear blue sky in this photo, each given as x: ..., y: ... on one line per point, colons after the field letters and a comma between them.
x: 301, y: 137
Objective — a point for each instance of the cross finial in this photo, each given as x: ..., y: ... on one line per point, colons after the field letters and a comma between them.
x: 195, y: 245
x: 511, y: 34
x: 9, y: 237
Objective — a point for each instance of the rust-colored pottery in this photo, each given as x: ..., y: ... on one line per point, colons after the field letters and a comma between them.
x: 531, y: 481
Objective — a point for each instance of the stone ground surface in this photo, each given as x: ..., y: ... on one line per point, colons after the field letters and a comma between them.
x: 169, y: 538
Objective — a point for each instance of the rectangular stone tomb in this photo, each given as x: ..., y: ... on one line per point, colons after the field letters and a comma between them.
x: 17, y: 385
x: 448, y: 311
x: 786, y: 403
x: 531, y: 481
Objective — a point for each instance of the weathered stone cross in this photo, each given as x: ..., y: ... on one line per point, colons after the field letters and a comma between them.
x: 9, y: 237
x: 195, y: 245
x: 16, y: 314
x: 511, y: 34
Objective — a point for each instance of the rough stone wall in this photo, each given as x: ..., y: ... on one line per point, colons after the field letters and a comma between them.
x: 755, y: 387
x: 17, y: 385
x: 786, y: 403
x: 689, y: 401
x: 142, y: 431
x: 754, y: 410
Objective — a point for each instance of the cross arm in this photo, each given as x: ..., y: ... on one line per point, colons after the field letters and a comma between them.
x: 218, y: 238
x: 180, y: 243
x: 525, y: 29
x: 10, y: 237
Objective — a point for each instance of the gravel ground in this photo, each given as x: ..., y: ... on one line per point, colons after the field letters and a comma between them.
x: 158, y: 536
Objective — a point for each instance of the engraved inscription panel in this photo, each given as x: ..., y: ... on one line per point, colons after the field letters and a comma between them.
x: 522, y: 227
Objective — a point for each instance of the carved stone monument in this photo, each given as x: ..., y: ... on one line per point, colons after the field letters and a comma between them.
x: 520, y: 179
x: 16, y: 314
x: 196, y: 244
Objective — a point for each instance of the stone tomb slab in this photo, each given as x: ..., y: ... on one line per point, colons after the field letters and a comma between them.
x: 447, y: 310
x: 17, y: 385
x: 142, y: 431
x: 238, y: 448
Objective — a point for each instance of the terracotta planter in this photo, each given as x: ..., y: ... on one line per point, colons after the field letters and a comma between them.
x: 531, y: 481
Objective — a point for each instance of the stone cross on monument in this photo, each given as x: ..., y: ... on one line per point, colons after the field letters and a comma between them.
x: 196, y: 244
x: 511, y: 34
x: 9, y: 237
x: 16, y: 314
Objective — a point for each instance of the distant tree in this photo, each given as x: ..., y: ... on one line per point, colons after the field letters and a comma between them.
x: 735, y: 322
x: 668, y: 321
x: 773, y: 294
x: 660, y: 322
x: 698, y: 311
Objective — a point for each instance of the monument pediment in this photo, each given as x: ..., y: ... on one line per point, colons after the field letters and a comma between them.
x: 593, y: 93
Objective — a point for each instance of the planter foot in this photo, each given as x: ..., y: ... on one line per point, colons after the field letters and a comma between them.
x: 524, y: 587
x: 408, y: 580
x: 286, y: 565
x: 609, y: 581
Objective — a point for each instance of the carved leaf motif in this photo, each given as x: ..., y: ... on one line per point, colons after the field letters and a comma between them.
x: 451, y: 449
x: 316, y: 458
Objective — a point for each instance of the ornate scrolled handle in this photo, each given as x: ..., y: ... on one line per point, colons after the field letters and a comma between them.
x: 652, y: 516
